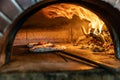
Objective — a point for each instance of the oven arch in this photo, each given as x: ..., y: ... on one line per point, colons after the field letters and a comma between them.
x: 101, y: 8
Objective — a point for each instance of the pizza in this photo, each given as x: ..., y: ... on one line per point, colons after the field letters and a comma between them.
x: 44, y: 47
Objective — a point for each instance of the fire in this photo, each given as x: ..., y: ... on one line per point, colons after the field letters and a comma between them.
x: 69, y: 10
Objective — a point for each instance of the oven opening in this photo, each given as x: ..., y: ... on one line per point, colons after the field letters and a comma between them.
x: 63, y: 25
x: 62, y: 37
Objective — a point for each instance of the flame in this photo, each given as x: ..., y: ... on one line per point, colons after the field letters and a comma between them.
x: 69, y: 10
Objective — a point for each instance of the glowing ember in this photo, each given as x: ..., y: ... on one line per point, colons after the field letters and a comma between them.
x: 69, y: 10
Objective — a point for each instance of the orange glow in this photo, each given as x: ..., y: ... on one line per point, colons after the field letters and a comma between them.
x: 69, y: 10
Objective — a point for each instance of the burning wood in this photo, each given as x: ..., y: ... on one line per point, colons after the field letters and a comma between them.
x: 96, y: 42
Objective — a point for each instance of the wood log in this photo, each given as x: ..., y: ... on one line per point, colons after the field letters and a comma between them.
x: 98, y: 37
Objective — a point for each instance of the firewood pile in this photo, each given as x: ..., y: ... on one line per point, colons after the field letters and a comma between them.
x: 96, y: 42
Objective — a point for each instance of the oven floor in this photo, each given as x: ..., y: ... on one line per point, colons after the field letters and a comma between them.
x: 24, y: 61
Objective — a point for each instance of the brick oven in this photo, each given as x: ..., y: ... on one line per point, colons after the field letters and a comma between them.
x: 80, y: 36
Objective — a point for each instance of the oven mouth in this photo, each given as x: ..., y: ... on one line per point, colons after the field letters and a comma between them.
x: 66, y: 54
